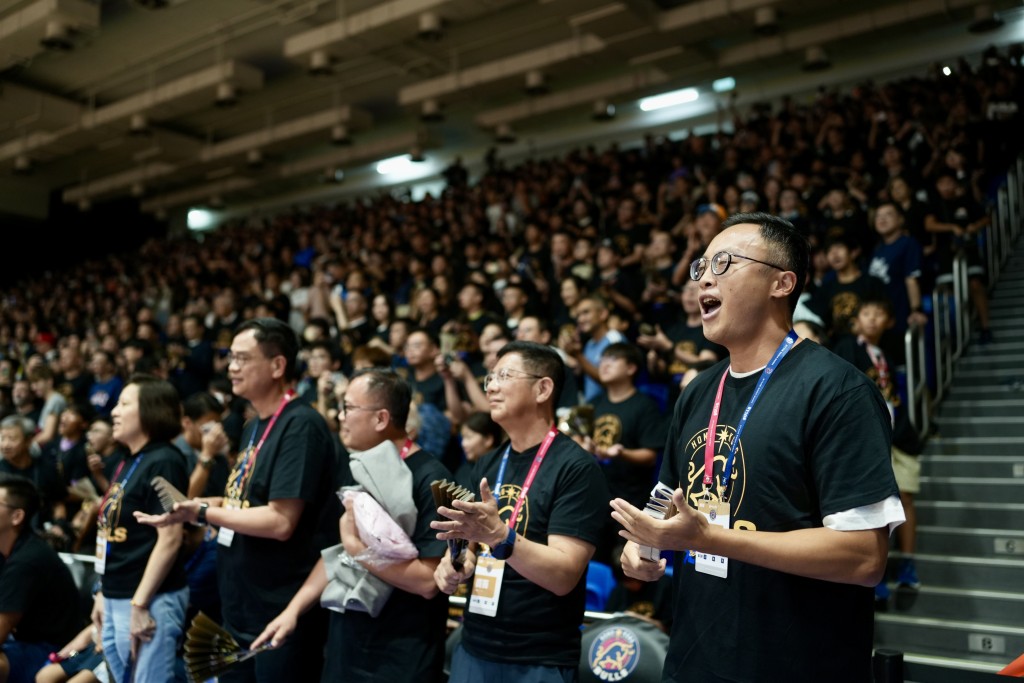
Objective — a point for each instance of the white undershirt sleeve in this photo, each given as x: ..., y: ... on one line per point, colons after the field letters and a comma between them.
x: 888, y: 512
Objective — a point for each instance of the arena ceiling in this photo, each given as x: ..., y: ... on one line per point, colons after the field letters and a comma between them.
x: 236, y: 102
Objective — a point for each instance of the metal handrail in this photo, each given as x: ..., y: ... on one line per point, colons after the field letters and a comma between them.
x: 917, y: 380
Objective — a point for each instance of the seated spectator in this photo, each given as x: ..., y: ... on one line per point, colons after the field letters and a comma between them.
x: 592, y: 315
x: 205, y: 446
x: 106, y: 385
x: 38, y: 597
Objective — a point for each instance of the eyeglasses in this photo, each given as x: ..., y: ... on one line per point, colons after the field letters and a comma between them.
x: 240, y: 359
x: 496, y: 379
x: 348, y: 408
x: 720, y: 263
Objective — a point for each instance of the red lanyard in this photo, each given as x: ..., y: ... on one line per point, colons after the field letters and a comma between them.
x: 537, y: 460
x: 878, y: 360
x: 251, y: 459
x: 406, y: 447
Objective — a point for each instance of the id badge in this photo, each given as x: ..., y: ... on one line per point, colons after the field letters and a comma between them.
x: 486, y: 586
x: 706, y: 563
x: 101, y: 552
x: 225, y: 535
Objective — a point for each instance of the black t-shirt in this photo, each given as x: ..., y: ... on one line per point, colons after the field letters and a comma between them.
x: 837, y: 302
x: 568, y: 497
x: 816, y: 443
x: 35, y: 583
x: 430, y: 390
x: 70, y: 464
x: 635, y: 423
x: 130, y: 543
x: 258, y: 576
x: 406, y: 641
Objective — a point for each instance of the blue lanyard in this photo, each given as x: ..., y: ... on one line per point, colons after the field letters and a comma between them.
x: 534, y: 466
x: 104, y: 521
x: 762, y: 382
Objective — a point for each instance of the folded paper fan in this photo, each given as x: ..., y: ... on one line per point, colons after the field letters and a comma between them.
x: 210, y: 650
x: 444, y: 493
x: 167, y: 493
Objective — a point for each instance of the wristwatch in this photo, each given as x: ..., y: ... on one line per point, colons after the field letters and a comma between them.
x: 503, y: 550
x: 201, y: 515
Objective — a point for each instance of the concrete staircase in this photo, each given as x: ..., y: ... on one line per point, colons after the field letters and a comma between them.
x: 969, y: 611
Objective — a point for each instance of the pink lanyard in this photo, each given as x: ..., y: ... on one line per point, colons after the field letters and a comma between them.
x: 251, y: 459
x: 406, y: 447
x: 537, y: 460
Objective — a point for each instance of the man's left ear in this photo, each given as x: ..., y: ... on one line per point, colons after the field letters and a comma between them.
x: 278, y: 364
x: 785, y: 284
x: 545, y: 388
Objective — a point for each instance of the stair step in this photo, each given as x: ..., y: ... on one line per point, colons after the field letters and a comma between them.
x: 977, y: 489
x: 1006, y: 323
x: 922, y: 668
x: 967, y: 445
x: 938, y: 465
x: 984, y: 355
x: 970, y: 514
x: 1012, y: 385
x: 938, y: 602
x: 963, y: 375
x: 994, y: 643
x: 995, y: 407
x: 1001, y: 426
x: 940, y: 540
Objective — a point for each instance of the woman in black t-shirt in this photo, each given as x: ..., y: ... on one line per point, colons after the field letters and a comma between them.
x: 144, y: 596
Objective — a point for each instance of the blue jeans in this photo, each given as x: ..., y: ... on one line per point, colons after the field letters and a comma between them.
x: 469, y: 669
x: 155, y: 659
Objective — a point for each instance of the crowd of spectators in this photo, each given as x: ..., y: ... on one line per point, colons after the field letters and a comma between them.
x: 588, y: 252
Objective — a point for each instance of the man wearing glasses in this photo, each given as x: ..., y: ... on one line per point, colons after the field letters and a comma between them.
x: 272, y: 516
x: 405, y: 640
x: 778, y: 463
x: 537, y: 520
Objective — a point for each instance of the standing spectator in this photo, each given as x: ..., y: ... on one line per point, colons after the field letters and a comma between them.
x: 837, y: 299
x: 191, y: 358
x: 106, y: 384
x: 271, y: 516
x: 73, y: 381
x: 38, y: 599
x: 53, y: 403
x: 805, y: 471
x: 628, y: 434
x: 897, y: 263
x: 420, y: 353
x: 405, y: 640
x: 956, y: 219
x: 553, y: 492
x: 592, y: 321
x: 205, y: 446
x: 104, y: 454
x: 141, y: 609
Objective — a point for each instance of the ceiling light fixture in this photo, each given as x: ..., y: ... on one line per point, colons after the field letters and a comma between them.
x: 669, y: 99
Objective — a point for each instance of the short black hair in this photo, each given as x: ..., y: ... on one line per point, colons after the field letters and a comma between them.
x: 539, y: 359
x: 275, y: 338
x: 159, y: 407
x: 877, y: 300
x: 200, y: 404
x: 22, y: 494
x: 390, y: 391
x: 627, y: 352
x: 787, y: 246
x: 481, y: 423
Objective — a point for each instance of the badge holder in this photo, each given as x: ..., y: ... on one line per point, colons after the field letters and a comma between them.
x: 660, y: 506
x: 716, y: 512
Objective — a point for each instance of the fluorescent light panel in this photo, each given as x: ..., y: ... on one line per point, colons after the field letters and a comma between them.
x: 669, y: 99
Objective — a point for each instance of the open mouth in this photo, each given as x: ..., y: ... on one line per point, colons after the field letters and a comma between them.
x: 709, y: 304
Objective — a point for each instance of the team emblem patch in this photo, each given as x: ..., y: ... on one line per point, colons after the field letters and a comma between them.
x: 614, y: 654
